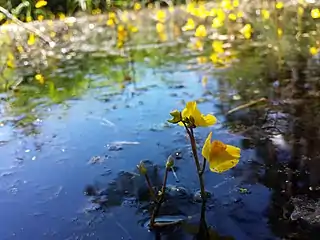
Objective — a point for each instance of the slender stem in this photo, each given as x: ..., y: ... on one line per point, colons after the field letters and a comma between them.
x: 160, y: 200
x: 204, y: 162
x: 196, y: 160
x: 153, y: 196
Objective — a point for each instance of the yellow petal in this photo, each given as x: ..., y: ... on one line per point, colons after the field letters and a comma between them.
x: 40, y: 4
x: 206, y: 149
x: 233, y: 151
x: 224, y: 161
x: 209, y: 120
x: 315, y: 13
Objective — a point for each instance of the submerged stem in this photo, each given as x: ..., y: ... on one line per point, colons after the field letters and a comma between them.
x: 153, y: 196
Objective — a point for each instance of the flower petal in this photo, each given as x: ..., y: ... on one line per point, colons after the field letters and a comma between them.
x: 206, y: 149
x: 233, y: 151
x: 223, y: 162
x: 209, y: 119
x: 189, y: 109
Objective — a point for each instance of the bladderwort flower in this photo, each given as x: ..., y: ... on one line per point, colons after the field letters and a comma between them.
x: 221, y: 157
x: 192, y: 117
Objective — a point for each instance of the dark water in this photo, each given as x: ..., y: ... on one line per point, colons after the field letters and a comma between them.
x: 97, y: 115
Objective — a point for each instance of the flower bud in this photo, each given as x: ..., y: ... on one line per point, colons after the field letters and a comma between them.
x: 170, y: 162
x: 176, y: 116
x: 142, y: 169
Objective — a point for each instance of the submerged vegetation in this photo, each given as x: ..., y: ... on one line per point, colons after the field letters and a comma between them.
x: 264, y: 56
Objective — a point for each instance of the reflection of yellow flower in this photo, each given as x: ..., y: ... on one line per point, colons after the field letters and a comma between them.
x: 246, y: 31
x: 265, y: 14
x: 196, y: 117
x: 190, y: 25
x: 279, y: 5
x: 198, y: 45
x: 315, y: 13
x: 221, y: 157
x: 201, y: 31
x: 40, y: 4
x: 313, y: 51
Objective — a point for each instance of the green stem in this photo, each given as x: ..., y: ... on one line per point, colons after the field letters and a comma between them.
x: 153, y: 196
x: 160, y: 200
x: 196, y: 160
x: 204, y: 162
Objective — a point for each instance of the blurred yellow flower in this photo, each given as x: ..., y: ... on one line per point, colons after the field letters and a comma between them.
x: 201, y: 59
x: 192, y: 113
x: 313, y: 51
x: 163, y: 36
x: 31, y: 39
x: 40, y: 18
x: 39, y: 78
x: 265, y: 14
x: 161, y: 16
x: 10, y: 60
x: 235, y: 3
x: 216, y: 23
x: 137, y: 6
x: 246, y: 31
x: 190, y: 25
x: 315, y: 13
x: 221, y: 157
x: 96, y: 11
x: 160, y: 27
x: 217, y: 46
x: 232, y: 16
x: 133, y: 29
x: 121, y: 33
x: 226, y: 5
x: 61, y: 16
x: 300, y: 11
x: 201, y: 31
x: 28, y: 18
x: 279, y: 5
x: 280, y: 32
x: 240, y: 14
x: 198, y: 45
x: 40, y: 4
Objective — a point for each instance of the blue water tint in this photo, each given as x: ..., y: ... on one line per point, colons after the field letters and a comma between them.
x: 43, y: 176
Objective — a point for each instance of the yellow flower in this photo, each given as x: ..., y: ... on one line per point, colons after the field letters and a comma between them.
x: 31, y: 39
x: 313, y: 51
x: 196, y: 117
x: 226, y: 5
x: 122, y: 33
x: 28, y: 18
x: 232, y: 16
x: 161, y: 16
x: 236, y: 3
x: 221, y: 157
x: 265, y: 14
x: 40, y: 17
x: 39, y: 78
x: 315, y: 13
x: 279, y: 5
x: 300, y: 11
x: 201, y: 31
x: 246, y: 31
x: 217, y: 46
x: 137, y: 6
x: 160, y: 27
x: 41, y: 4
x: 190, y: 25
x: 216, y: 23
x: 280, y: 32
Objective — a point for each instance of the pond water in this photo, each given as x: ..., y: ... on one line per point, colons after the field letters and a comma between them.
x: 95, y: 117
